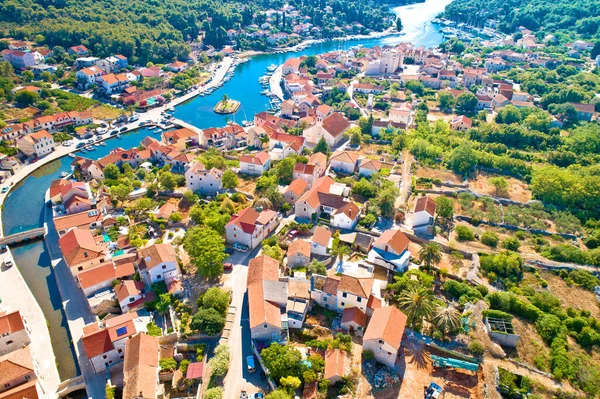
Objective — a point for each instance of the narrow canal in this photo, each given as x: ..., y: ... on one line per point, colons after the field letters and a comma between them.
x: 23, y: 209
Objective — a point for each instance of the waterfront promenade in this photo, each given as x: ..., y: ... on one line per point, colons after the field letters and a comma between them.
x: 275, y: 82
x: 15, y: 295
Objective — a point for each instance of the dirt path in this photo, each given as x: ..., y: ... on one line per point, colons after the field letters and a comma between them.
x: 406, y: 179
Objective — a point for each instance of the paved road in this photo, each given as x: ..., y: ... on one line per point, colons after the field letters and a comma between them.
x: 238, y: 377
x: 15, y: 295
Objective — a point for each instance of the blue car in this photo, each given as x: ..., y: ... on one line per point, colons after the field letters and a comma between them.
x: 229, y: 251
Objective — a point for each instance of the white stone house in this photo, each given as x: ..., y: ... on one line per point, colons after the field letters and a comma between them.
x: 384, y: 333
x: 159, y: 261
x: 13, y: 334
x: 203, y: 181
x: 255, y: 164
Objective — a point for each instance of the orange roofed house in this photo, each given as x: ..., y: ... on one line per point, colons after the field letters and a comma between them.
x: 390, y: 250
x: 255, y: 164
x: 104, y: 342
x: 158, y: 262
x: 267, y: 299
x: 13, y: 334
x: 322, y: 200
x: 384, y: 333
x: 248, y: 227
x: 18, y: 379
x: 37, y: 144
x: 424, y: 214
x: 82, y: 250
x: 140, y: 368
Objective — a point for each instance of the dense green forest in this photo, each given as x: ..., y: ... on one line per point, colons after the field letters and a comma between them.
x: 151, y: 30
x: 563, y: 18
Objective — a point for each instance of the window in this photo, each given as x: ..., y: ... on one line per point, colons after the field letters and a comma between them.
x: 7, y: 385
x: 359, y: 328
x: 358, y: 299
x: 164, y: 266
x: 131, y: 300
x: 120, y: 351
x: 380, y: 341
x: 266, y: 326
x: 344, y: 295
x: 10, y: 342
x: 158, y: 276
x: 80, y: 268
x: 343, y: 303
x: 104, y: 357
x: 325, y: 299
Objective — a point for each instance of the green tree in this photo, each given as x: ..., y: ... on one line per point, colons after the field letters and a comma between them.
x: 217, y: 299
x: 490, y: 239
x: 462, y: 159
x: 208, y: 321
x: 511, y: 243
x: 219, y: 363
x: 316, y: 267
x: 417, y: 303
x: 500, y: 184
x: 447, y: 320
x: 229, y: 180
x: 444, y: 212
x: 284, y: 170
x: 430, y: 254
x: 206, y: 250
x: 355, y: 137
x: 446, y: 101
x: 279, y: 394
x: 399, y: 26
x: 548, y: 326
x: 167, y: 181
x: 322, y: 147
x: 26, y: 97
x: 120, y: 192
x: 290, y: 383
x: 168, y: 364
x: 281, y: 360
x: 463, y: 233
x: 215, y: 392
x: 263, y: 203
x: 386, y: 200
x: 466, y: 104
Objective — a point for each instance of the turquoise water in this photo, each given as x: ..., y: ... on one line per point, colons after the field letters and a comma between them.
x: 23, y: 209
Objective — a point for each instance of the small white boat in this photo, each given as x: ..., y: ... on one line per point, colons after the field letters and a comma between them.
x: 103, y: 144
x: 119, y: 136
x: 271, y: 67
x: 90, y: 148
x: 64, y: 174
x: 72, y: 155
x: 153, y: 127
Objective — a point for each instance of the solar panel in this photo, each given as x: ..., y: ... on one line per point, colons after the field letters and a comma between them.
x: 121, y: 331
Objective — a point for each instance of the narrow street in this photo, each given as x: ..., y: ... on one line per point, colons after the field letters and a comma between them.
x: 238, y: 377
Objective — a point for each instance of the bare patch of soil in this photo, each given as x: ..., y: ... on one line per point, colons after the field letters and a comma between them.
x: 517, y: 190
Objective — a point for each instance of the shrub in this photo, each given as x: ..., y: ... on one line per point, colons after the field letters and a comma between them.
x: 214, y: 393
x: 511, y: 243
x: 548, y: 326
x: 505, y: 265
x: 153, y: 330
x: 490, y: 239
x: 497, y: 314
x: 476, y: 348
x: 463, y: 292
x: 463, y: 233
x: 168, y: 364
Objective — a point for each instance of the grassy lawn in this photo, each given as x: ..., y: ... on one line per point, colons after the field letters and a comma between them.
x: 106, y: 112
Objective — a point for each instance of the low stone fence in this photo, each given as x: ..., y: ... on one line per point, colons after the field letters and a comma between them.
x: 516, y: 228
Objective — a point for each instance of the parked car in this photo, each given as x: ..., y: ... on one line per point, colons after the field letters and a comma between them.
x: 3, y: 248
x: 293, y: 234
x: 227, y: 266
x: 4, y: 189
x: 240, y: 247
x: 258, y: 395
x: 123, y: 129
x: 251, y: 364
x: 8, y: 264
x: 229, y: 251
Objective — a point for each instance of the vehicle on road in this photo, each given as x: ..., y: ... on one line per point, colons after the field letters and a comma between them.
x: 251, y: 364
x: 4, y: 190
x: 229, y: 251
x: 134, y: 118
x: 240, y: 247
x: 123, y: 129
x: 8, y: 264
x: 258, y: 395
x: 113, y: 132
x: 293, y: 234
x: 227, y: 266
x: 3, y: 248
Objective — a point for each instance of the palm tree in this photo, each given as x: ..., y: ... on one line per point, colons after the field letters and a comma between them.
x: 224, y: 100
x: 340, y: 252
x: 417, y: 304
x: 447, y: 320
x: 263, y: 203
x: 430, y: 254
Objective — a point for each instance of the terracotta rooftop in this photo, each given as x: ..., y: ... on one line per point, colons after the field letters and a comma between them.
x: 297, y: 187
x: 11, y: 322
x: 344, y: 156
x: 321, y: 236
x: 79, y: 246
x: 354, y: 315
x: 260, y: 158
x: 299, y: 246
x: 387, y: 324
x: 140, y: 367
x: 99, y: 274
x: 156, y: 254
x: 128, y: 288
x: 334, y: 363
x: 425, y: 204
x: 395, y: 239
x: 360, y: 287
x: 335, y: 124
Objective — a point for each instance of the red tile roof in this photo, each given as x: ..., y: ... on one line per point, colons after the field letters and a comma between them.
x: 140, y: 367
x: 11, y: 322
x: 335, y: 124
x: 260, y: 158
x: 334, y: 363
x: 354, y: 315
x: 78, y: 246
x: 395, y: 239
x: 299, y: 246
x: 360, y: 287
x: 321, y: 236
x: 99, y: 274
x: 387, y: 324
x: 425, y: 204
